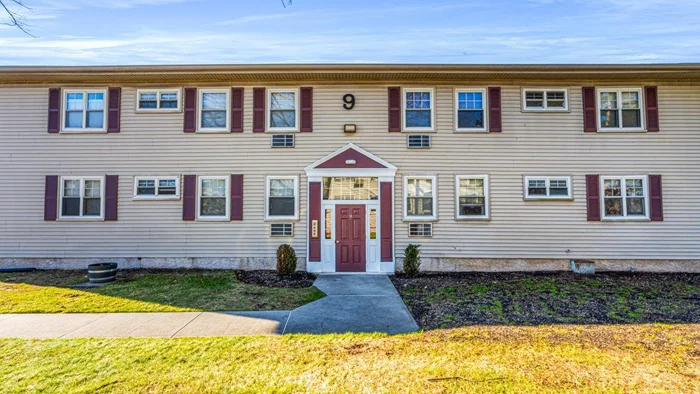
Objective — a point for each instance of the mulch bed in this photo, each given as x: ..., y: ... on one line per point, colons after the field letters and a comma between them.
x: 272, y: 279
x: 442, y: 300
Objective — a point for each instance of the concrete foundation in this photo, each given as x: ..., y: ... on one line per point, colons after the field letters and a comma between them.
x: 440, y: 264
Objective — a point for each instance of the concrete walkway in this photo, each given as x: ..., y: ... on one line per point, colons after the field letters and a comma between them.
x: 354, y: 303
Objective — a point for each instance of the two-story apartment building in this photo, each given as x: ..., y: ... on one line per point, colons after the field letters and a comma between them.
x: 518, y: 167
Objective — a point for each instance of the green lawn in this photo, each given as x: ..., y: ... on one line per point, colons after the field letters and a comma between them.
x: 486, y: 359
x: 144, y: 291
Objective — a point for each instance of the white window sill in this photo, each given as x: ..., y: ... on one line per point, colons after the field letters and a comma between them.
x: 472, y: 218
x: 83, y: 131
x: 475, y: 131
x: 213, y: 219
x: 418, y: 130
x: 171, y: 198
x: 420, y: 236
x: 281, y: 219
x: 80, y: 219
x: 283, y: 131
x: 211, y: 131
x: 546, y: 110
x: 567, y: 199
x: 625, y: 219
x: 420, y: 219
x: 159, y: 111
x: 616, y: 130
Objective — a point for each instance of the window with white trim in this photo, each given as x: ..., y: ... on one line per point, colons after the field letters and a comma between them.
x: 420, y: 229
x: 158, y: 100
x: 84, y: 110
x: 281, y: 229
x: 282, y: 109
x: 547, y: 187
x: 620, y: 109
x: 213, y: 197
x: 282, y: 196
x: 82, y: 197
x: 472, y: 196
x: 470, y: 114
x: 418, y: 111
x: 625, y: 197
x: 214, y: 110
x: 156, y: 187
x: 545, y: 100
x: 420, y: 197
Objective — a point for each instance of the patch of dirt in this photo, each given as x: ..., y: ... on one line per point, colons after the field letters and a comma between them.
x: 272, y: 279
x: 442, y: 300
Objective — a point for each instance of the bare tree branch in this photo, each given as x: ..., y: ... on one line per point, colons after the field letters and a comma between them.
x: 285, y: 3
x: 15, y: 18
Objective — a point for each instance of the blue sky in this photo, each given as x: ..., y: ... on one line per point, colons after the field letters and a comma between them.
x: 85, y: 32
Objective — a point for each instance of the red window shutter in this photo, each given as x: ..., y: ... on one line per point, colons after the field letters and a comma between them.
x: 315, y: 215
x: 236, y: 197
x: 395, y: 109
x: 307, y: 114
x: 656, y: 199
x: 258, y: 110
x: 593, y: 197
x: 54, y: 110
x: 111, y: 197
x: 190, y: 109
x: 189, y: 200
x: 495, y: 109
x: 651, y: 103
x: 114, y: 110
x: 386, y: 221
x: 590, y: 112
x: 236, y: 110
x: 51, y: 197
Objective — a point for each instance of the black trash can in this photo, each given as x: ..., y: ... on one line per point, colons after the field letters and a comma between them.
x: 102, y: 273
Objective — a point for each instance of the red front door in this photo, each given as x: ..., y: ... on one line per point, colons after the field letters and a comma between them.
x: 350, y: 238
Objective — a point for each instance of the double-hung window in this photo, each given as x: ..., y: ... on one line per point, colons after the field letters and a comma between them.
x: 156, y: 187
x: 545, y: 100
x: 158, y: 100
x: 283, y: 114
x: 420, y: 198
x: 625, y: 197
x: 470, y: 114
x: 214, y: 110
x: 472, y: 196
x: 547, y: 187
x: 84, y: 110
x: 213, y: 197
x: 282, y: 198
x: 82, y: 197
x: 620, y: 109
x: 418, y: 109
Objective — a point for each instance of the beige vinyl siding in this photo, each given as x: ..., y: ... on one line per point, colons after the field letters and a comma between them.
x: 531, y: 143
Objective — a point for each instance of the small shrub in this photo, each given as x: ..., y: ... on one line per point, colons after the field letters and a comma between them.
x: 411, y: 260
x: 286, y: 260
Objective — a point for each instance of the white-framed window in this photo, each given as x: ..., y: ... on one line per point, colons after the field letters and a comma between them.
x: 156, y: 187
x: 281, y: 229
x: 84, y: 110
x: 624, y: 197
x: 545, y: 99
x: 418, y: 109
x: 283, y: 109
x: 157, y: 100
x: 282, y: 198
x: 420, y: 229
x: 214, y: 110
x: 470, y: 112
x: 82, y: 197
x: 213, y: 197
x: 420, y: 197
x: 620, y: 109
x: 472, y: 196
x: 282, y: 140
x: 539, y: 187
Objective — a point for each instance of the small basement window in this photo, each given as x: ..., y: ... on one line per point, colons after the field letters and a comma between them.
x: 545, y: 100
x: 418, y: 141
x: 281, y: 229
x: 547, y: 187
x: 156, y: 187
x: 158, y: 100
x: 420, y: 230
x: 282, y: 141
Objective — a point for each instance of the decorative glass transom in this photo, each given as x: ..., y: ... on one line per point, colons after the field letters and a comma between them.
x: 350, y: 188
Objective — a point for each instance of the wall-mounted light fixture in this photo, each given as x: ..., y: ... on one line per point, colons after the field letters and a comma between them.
x: 350, y: 128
